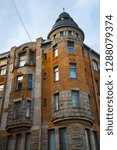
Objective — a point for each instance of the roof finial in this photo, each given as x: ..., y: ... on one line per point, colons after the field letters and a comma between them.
x: 63, y: 9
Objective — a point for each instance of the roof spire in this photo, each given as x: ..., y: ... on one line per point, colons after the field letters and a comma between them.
x: 63, y: 9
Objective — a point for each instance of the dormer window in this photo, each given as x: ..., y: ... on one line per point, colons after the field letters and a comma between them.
x: 69, y: 33
x: 61, y: 33
x: 22, y: 59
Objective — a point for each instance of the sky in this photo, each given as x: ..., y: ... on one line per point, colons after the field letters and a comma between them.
x: 39, y: 16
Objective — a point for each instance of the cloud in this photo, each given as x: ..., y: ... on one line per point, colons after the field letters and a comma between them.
x: 39, y: 17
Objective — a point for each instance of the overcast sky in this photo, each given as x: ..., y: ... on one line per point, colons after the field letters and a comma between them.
x: 39, y: 17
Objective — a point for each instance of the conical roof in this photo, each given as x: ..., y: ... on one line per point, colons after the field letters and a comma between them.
x: 64, y: 20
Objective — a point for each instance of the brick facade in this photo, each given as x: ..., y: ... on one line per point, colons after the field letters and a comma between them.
x: 29, y: 107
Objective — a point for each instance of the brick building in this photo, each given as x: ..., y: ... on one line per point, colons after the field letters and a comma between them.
x: 49, y: 92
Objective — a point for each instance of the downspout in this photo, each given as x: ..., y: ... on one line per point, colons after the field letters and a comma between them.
x: 92, y: 73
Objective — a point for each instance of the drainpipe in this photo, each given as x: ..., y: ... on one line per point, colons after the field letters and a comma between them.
x: 93, y: 77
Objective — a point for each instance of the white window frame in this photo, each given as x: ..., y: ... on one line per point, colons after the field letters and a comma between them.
x: 3, y: 70
x: 56, y: 74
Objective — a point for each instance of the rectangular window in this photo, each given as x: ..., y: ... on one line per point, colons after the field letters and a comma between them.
x: 44, y: 103
x: 31, y: 58
x: 95, y: 65
x: 51, y: 139
x: 70, y: 47
x: 19, y: 83
x: 75, y: 96
x: 18, y: 142
x: 3, y: 70
x: 56, y: 101
x: 9, y: 143
x: 61, y: 33
x: 56, y: 74
x: 88, y: 143
x: 69, y: 33
x: 96, y: 139
x: 72, y: 70
x: 17, y: 107
x: 27, y: 141
x: 63, y: 139
x: 30, y: 81
x: 28, y: 109
x: 22, y: 60
x: 1, y: 89
x: 56, y: 52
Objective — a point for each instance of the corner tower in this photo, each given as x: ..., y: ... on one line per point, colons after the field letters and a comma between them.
x: 66, y: 102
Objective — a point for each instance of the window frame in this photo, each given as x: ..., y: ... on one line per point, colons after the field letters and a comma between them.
x: 88, y: 140
x: 19, y: 82
x: 17, y: 110
x: 75, y: 101
x: 30, y: 81
x: 61, y: 33
x: 28, y: 109
x: 31, y: 61
x: 56, y: 74
x: 56, y: 102
x: 1, y: 89
x: 70, y: 47
x: 3, y: 70
x: 22, y: 61
x: 63, y: 142
x: 95, y: 65
x: 72, y: 71
x: 51, y: 145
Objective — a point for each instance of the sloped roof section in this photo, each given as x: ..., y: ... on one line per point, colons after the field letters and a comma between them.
x: 64, y: 20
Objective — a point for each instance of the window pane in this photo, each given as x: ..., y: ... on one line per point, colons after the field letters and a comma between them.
x: 3, y: 70
x: 70, y: 47
x: 56, y: 74
x: 31, y: 58
x: 30, y: 81
x: 95, y: 65
x: 51, y: 139
x: 87, y: 134
x: 55, y: 52
x: 73, y: 71
x: 27, y: 143
x: 9, y: 143
x: 61, y: 33
x: 75, y: 98
x: 19, y: 83
x: 18, y: 142
x: 17, y: 106
x: 22, y: 60
x: 56, y: 100
x: 63, y: 139
x: 1, y: 89
x: 28, y: 108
